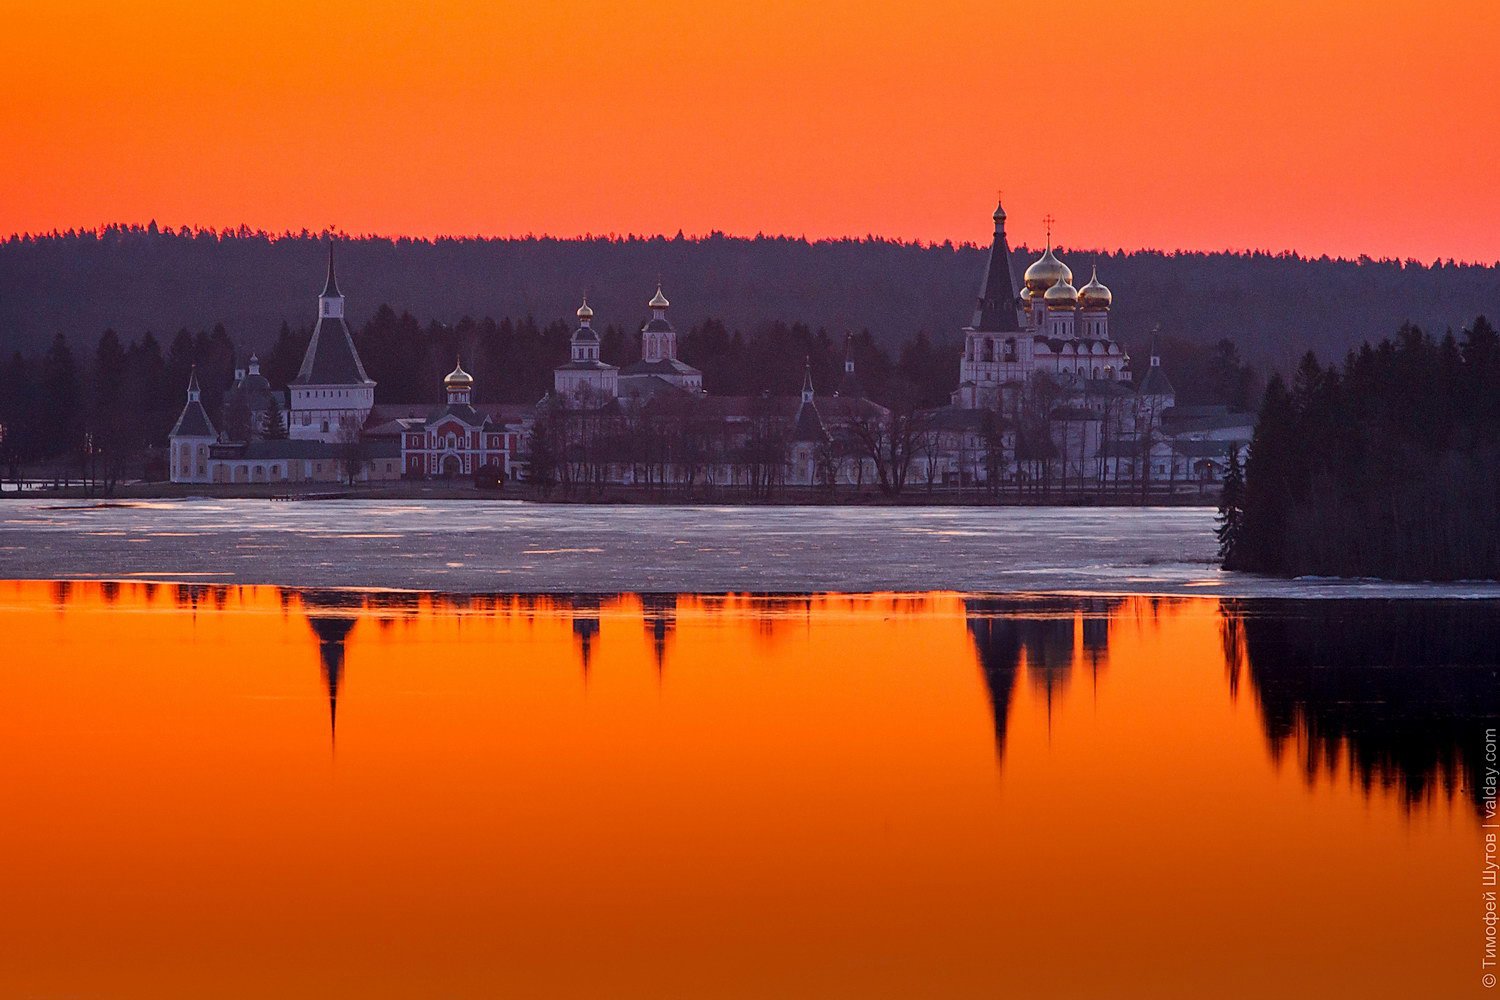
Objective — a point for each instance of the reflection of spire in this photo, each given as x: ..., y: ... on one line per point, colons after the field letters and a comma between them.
x: 1095, y: 641
x: 585, y: 628
x: 1049, y: 655
x: 999, y: 656
x: 660, y: 612
x: 331, y: 634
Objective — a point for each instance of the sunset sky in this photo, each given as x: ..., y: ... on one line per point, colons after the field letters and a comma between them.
x: 1337, y: 127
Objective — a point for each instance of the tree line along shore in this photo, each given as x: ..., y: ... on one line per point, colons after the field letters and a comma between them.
x: 1385, y: 465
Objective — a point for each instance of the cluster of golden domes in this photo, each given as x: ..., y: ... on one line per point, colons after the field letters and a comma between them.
x: 1053, y: 281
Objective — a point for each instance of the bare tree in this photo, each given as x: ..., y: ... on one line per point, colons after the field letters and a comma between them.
x: 889, y: 439
x: 351, y: 452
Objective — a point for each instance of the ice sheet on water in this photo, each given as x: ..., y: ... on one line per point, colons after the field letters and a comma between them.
x: 593, y: 548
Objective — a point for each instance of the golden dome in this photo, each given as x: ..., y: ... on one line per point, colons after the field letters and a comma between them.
x: 658, y: 301
x: 1061, y: 295
x: 1025, y: 295
x: 584, y: 312
x: 1095, y: 295
x: 1045, y: 272
x: 458, y: 378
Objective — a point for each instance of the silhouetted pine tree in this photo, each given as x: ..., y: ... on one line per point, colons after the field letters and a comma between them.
x: 61, y: 424
x: 272, y: 428
x: 1231, y: 509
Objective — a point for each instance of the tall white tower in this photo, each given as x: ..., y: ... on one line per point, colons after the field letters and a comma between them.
x: 331, y: 397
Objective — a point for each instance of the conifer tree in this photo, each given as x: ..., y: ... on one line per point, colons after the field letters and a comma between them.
x: 1231, y: 509
x: 272, y: 428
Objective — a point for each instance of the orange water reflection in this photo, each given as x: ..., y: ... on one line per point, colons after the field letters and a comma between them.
x: 251, y: 791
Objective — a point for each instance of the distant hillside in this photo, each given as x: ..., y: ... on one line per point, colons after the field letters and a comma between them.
x: 135, y: 280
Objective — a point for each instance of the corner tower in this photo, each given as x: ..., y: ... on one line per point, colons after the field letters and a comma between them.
x: 331, y: 397
x: 191, y: 436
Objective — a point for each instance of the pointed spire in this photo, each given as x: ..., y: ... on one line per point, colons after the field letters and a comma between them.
x: 996, y: 308
x: 193, y: 421
x: 331, y: 286
x: 848, y: 354
x: 808, y: 423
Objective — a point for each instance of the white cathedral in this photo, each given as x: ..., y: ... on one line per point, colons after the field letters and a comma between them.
x: 1049, y: 327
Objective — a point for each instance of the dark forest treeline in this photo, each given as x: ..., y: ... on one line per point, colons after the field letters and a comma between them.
x: 137, y: 279
x: 1387, y: 466
x: 121, y: 396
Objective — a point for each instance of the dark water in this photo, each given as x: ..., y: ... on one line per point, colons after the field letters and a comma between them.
x: 252, y: 791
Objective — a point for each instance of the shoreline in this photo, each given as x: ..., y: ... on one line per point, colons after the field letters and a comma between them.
x: 627, y: 496
x: 1318, y: 589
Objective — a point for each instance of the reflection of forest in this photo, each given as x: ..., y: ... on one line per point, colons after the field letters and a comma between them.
x: 1399, y: 690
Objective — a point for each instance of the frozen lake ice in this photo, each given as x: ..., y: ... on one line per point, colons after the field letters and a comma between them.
x: 514, y: 546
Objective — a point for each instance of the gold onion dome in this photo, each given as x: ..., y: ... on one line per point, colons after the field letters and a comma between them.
x: 1061, y: 295
x: 458, y: 378
x: 1095, y: 295
x: 658, y: 301
x: 1026, y: 295
x: 1045, y: 272
x: 584, y: 312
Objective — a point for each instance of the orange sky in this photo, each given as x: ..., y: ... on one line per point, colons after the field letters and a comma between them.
x: 1340, y: 127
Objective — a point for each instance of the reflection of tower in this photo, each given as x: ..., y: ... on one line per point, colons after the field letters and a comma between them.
x: 331, y: 634
x: 1095, y: 638
x: 999, y: 653
x: 1048, y: 643
x: 660, y: 612
x: 585, y: 628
